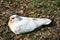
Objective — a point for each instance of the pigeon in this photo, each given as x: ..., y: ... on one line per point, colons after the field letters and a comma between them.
x: 20, y: 24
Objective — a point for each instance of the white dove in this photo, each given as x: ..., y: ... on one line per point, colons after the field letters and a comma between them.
x: 19, y: 24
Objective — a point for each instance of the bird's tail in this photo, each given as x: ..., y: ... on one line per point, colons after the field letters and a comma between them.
x: 42, y: 21
x: 47, y: 21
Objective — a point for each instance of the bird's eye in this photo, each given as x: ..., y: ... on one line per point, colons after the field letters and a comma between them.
x: 12, y: 18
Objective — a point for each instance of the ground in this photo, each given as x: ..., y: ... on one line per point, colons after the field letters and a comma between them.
x: 31, y: 8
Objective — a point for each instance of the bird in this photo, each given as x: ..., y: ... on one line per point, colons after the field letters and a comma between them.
x: 20, y: 24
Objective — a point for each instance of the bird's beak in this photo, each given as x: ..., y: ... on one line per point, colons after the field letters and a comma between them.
x: 9, y: 23
x: 10, y: 20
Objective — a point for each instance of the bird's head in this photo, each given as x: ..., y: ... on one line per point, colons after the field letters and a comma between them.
x: 14, y: 18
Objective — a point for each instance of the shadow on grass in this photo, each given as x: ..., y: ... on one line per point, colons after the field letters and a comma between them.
x: 52, y: 24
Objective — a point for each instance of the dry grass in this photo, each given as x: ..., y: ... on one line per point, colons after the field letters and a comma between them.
x: 34, y: 8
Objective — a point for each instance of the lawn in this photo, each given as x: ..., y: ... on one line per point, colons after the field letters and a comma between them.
x: 31, y: 8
